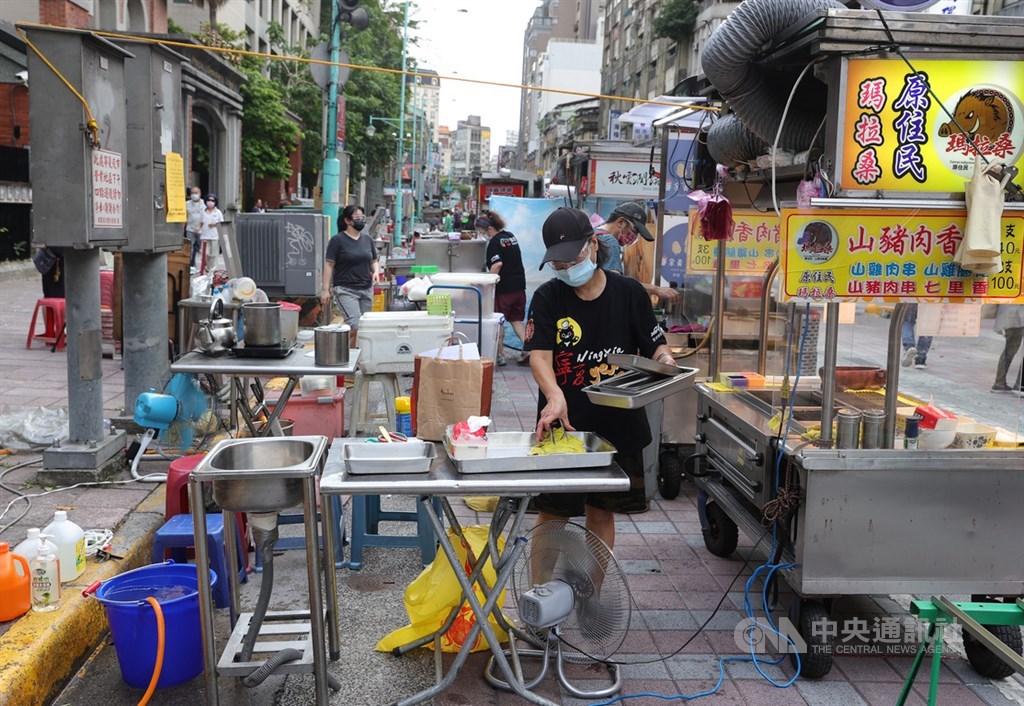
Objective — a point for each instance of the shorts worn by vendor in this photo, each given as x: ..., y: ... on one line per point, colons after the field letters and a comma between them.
x: 581, y: 335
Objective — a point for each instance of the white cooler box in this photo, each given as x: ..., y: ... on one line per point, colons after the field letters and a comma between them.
x: 464, y: 304
x: 493, y: 330
x: 389, y: 341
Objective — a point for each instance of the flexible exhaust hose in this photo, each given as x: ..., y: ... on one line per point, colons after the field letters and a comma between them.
x: 755, y: 94
x: 265, y: 538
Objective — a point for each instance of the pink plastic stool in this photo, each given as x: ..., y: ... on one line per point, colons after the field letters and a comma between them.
x: 176, y: 499
x: 53, y: 316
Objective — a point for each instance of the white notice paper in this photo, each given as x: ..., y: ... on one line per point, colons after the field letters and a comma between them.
x: 957, y: 320
x: 107, y: 194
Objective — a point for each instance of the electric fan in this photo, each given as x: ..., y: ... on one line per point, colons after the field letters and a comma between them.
x: 182, y: 415
x: 572, y: 597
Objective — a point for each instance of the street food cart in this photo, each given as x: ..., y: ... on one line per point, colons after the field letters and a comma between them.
x: 840, y: 518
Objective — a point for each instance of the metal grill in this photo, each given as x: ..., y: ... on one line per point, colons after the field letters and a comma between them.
x: 259, y: 243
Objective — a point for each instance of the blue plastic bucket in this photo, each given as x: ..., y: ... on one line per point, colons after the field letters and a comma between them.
x: 133, y: 622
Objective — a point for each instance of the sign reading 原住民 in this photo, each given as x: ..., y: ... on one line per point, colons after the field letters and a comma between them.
x: 891, y: 254
x: 895, y: 135
x: 750, y: 251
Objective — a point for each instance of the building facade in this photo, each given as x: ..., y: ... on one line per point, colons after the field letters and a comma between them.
x: 471, y: 147
x: 562, y: 127
x: 299, y: 20
x: 424, y: 93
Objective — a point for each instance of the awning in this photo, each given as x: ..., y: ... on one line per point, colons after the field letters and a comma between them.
x: 678, y: 114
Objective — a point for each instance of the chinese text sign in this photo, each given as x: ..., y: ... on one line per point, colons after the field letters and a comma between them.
x: 107, y: 193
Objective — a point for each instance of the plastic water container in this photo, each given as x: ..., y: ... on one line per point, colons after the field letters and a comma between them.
x: 389, y: 341
x: 464, y: 303
x: 70, y: 541
x: 493, y: 330
x: 133, y: 622
x: 15, y: 591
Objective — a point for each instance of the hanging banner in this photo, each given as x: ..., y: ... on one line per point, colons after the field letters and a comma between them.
x: 893, y: 255
x: 174, y: 184
x: 895, y: 136
x: 628, y: 179
x: 754, y: 245
x: 489, y: 190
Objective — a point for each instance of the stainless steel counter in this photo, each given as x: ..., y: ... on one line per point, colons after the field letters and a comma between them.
x: 296, y: 364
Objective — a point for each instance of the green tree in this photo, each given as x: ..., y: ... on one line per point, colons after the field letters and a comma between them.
x: 302, y: 97
x: 676, y: 20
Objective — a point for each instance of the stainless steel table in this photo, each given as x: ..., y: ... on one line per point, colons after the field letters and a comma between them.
x: 514, y: 491
x: 296, y: 365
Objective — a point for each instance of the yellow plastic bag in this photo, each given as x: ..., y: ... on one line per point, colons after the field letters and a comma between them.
x: 481, y: 503
x: 432, y: 595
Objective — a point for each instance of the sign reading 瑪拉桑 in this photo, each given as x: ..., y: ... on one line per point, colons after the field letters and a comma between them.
x: 896, y: 136
x: 893, y: 255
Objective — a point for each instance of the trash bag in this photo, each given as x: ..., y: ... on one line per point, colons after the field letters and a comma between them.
x: 432, y: 595
x: 32, y: 429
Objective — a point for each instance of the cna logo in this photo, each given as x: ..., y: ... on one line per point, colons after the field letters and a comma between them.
x: 757, y: 636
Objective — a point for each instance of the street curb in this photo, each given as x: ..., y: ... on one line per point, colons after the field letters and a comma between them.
x: 42, y: 651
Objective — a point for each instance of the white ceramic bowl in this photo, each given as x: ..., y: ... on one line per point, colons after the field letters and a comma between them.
x: 933, y: 439
x: 973, y: 436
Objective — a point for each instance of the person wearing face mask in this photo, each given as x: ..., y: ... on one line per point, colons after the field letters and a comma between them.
x: 194, y: 208
x: 576, y: 321
x: 209, y: 234
x: 505, y: 259
x: 621, y: 229
x: 351, y: 270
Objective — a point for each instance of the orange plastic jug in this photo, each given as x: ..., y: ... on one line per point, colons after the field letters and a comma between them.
x: 15, y: 588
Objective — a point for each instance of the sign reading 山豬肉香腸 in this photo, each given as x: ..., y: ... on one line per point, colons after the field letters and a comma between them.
x: 895, y: 136
x: 892, y: 255
x: 750, y: 250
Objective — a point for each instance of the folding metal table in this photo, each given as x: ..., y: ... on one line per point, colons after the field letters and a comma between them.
x: 514, y: 490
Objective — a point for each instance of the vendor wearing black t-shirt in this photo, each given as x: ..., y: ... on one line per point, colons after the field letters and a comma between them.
x: 350, y: 270
x: 505, y: 260
x: 575, y: 322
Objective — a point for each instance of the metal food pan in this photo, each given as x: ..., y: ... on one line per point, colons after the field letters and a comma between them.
x: 412, y: 456
x: 509, y: 451
x: 639, y: 389
x: 638, y: 362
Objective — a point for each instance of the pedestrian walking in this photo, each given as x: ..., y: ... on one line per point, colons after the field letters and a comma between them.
x: 194, y: 208
x: 209, y: 233
x: 915, y: 350
x: 1010, y: 323
x: 505, y: 259
x: 351, y: 269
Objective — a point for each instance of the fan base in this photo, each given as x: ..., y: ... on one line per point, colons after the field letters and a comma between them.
x: 497, y: 682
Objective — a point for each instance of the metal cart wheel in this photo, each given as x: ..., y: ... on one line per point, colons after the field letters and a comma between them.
x: 721, y: 534
x: 817, y: 661
x: 670, y: 474
x: 984, y: 661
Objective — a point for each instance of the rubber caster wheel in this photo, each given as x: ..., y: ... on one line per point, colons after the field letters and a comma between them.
x: 670, y: 474
x: 982, y: 660
x: 721, y: 535
x: 816, y: 662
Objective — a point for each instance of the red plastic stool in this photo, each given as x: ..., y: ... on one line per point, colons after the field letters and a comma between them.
x: 176, y: 499
x: 53, y: 315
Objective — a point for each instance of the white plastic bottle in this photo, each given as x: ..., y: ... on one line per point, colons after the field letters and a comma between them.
x: 45, y: 569
x: 70, y: 541
x: 30, y: 547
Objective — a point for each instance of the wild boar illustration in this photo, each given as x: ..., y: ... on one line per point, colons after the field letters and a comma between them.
x: 981, y: 112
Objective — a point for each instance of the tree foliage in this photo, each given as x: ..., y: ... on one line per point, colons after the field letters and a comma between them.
x: 676, y: 20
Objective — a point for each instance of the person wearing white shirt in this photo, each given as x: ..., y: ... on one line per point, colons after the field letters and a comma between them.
x: 209, y: 234
x: 194, y: 208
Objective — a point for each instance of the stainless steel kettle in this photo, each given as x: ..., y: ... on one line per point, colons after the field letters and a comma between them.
x: 216, y: 335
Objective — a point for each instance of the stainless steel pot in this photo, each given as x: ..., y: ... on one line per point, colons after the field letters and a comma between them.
x: 216, y: 334
x: 330, y: 344
x: 262, y: 324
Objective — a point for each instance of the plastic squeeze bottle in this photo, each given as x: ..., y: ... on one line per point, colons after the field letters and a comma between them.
x: 403, y: 416
x: 45, y: 570
x: 70, y: 541
x: 15, y: 591
x: 30, y: 547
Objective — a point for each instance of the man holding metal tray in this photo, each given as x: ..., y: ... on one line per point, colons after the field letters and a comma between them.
x: 576, y: 321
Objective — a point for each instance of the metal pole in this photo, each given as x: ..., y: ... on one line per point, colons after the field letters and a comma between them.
x: 196, y: 505
x: 84, y: 344
x: 766, y: 298
x: 332, y: 166
x: 718, y: 313
x: 145, y: 323
x: 316, y: 611
x: 892, y: 378
x: 828, y: 383
x: 397, y: 239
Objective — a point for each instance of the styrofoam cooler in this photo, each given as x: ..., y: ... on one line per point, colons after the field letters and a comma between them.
x: 493, y: 329
x: 389, y: 341
x: 315, y: 416
x: 464, y: 304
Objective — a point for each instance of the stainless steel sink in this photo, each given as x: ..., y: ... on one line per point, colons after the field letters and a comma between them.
x: 262, y: 475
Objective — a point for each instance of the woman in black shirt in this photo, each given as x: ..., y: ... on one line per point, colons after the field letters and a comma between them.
x: 351, y: 270
x: 505, y: 260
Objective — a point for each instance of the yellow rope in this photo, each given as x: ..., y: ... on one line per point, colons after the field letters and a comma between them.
x: 363, y: 67
x: 91, y: 125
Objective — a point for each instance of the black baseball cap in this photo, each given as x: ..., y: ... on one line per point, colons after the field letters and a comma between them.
x: 633, y: 212
x: 565, y: 231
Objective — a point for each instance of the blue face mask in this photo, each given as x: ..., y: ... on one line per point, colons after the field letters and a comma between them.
x: 579, y: 274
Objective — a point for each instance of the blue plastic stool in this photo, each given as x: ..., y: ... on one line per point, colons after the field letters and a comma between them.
x: 366, y: 519
x: 178, y: 533
x: 300, y: 542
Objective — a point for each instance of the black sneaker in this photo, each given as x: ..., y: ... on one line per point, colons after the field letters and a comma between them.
x: 1001, y: 387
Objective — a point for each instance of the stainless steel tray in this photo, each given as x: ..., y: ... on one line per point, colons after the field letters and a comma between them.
x: 639, y: 388
x: 412, y: 456
x: 509, y: 451
x: 638, y: 362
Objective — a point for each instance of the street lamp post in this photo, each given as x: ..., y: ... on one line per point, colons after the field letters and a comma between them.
x: 397, y: 239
